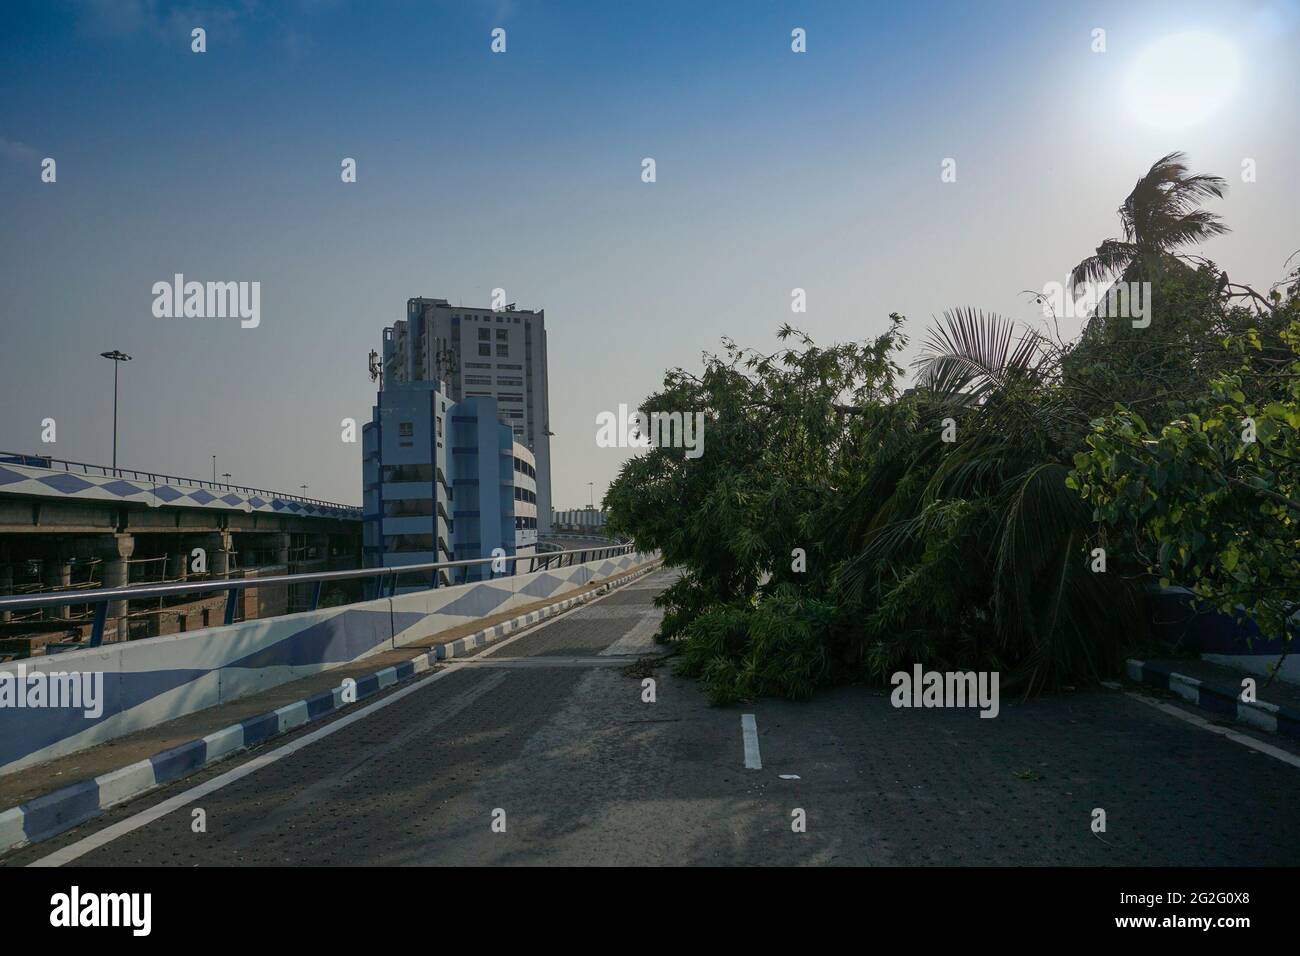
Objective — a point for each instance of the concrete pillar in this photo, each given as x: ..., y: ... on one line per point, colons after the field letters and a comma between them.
x: 115, y: 550
x: 282, y: 544
x: 6, y: 584
x: 178, y: 560
x: 56, y: 572
x: 217, y: 544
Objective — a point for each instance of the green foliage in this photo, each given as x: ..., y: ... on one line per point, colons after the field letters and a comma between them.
x: 1211, y: 499
x: 969, y: 553
x: 783, y: 645
x: 976, y: 553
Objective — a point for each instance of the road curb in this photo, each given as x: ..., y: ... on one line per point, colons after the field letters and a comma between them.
x: 1221, y: 699
x: 51, y: 814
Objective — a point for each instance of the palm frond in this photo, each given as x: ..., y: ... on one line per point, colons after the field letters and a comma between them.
x: 968, y: 353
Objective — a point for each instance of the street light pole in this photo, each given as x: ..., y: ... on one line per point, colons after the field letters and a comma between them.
x: 214, y: 469
x: 591, y: 495
x: 118, y: 357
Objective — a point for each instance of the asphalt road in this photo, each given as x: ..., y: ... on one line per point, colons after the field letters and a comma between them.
x: 545, y: 734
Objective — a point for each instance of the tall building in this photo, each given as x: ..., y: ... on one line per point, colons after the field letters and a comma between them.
x: 481, y: 353
x: 443, y: 481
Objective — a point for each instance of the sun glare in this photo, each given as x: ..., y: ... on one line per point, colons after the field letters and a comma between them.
x: 1182, y: 79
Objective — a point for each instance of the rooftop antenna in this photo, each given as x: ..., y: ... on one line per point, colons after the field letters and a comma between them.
x: 376, y: 370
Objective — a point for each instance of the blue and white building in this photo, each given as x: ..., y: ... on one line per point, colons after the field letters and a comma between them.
x: 444, y: 481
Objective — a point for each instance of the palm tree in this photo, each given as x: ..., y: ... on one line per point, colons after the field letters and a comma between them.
x: 1160, y: 215
x: 986, y: 521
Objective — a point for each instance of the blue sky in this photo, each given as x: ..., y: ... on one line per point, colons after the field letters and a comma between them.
x: 522, y: 171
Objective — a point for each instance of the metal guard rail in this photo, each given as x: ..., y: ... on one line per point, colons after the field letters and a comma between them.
x: 153, y: 477
x: 101, y: 597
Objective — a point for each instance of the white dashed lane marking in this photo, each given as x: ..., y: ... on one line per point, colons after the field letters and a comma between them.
x: 749, y: 731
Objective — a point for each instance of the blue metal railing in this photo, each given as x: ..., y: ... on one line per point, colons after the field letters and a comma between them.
x: 386, y: 580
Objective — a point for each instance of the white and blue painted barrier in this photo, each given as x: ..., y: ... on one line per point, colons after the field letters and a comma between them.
x: 53, y: 813
x: 150, y: 681
x: 1219, y: 638
x: 1219, y: 698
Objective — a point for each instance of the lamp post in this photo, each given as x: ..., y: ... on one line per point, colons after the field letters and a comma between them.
x: 214, y: 469
x: 591, y: 495
x: 118, y: 357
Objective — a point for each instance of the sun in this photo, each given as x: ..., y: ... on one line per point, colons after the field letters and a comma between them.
x: 1182, y: 79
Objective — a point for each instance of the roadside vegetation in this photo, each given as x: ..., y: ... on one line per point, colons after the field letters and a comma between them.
x: 1006, y: 512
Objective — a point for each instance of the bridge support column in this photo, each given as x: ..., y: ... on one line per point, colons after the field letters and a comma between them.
x: 6, y: 580
x: 56, y: 572
x: 283, y: 542
x: 178, y: 561
x: 115, y: 550
x: 217, y: 544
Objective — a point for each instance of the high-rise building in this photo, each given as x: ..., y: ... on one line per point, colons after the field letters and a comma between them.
x: 482, y: 353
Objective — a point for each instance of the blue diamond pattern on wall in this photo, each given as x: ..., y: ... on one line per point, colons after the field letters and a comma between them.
x: 202, y: 497
x: 231, y: 499
x: 121, y: 488
x: 168, y: 493
x: 9, y: 477
x: 68, y: 484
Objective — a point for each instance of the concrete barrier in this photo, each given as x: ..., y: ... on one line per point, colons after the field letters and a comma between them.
x: 1219, y: 638
x: 150, y: 681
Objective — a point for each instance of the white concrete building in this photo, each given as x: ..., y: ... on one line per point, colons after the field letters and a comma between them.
x: 479, y: 352
x: 578, y: 520
x: 525, y: 500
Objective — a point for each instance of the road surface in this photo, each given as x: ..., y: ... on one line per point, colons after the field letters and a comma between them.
x: 542, y: 751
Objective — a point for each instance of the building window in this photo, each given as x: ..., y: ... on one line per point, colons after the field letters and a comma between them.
x: 439, y: 426
x: 503, y: 334
x: 503, y: 351
x: 408, y: 508
x: 406, y: 430
x: 484, y: 349
x: 422, y: 472
x: 485, y: 333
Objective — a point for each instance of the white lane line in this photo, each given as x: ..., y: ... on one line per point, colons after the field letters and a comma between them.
x: 110, y: 833
x: 1197, y: 720
x: 489, y: 663
x: 640, y: 638
x: 749, y: 730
